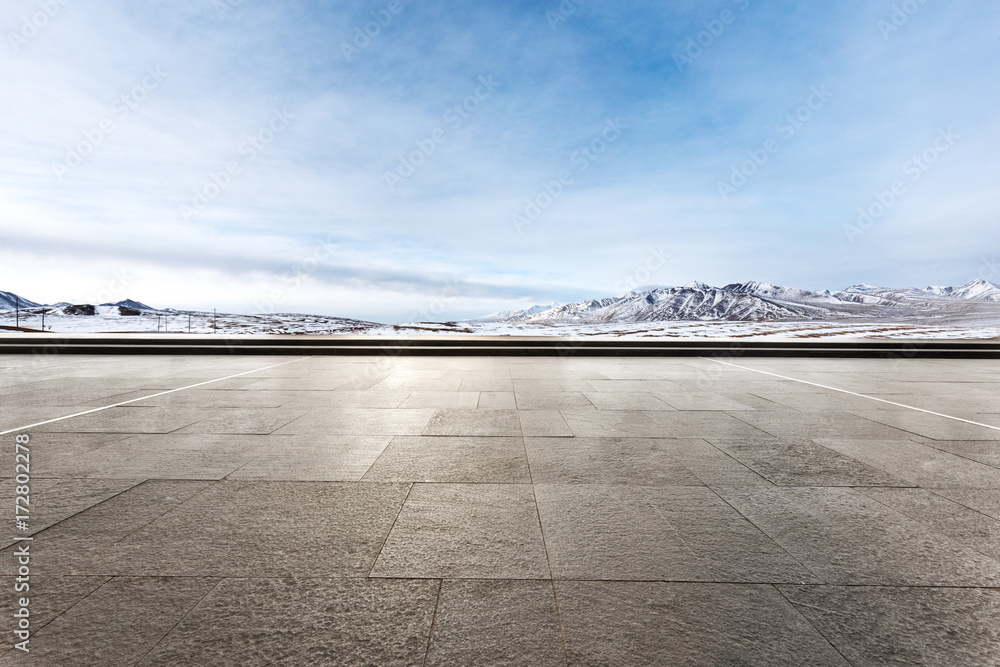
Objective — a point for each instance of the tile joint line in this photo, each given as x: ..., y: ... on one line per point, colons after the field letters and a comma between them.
x: 852, y: 393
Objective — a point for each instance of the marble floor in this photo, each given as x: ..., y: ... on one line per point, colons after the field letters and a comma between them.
x: 503, y: 511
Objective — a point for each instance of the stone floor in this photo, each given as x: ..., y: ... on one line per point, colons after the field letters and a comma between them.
x: 505, y: 511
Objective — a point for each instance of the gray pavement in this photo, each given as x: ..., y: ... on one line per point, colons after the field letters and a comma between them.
x: 505, y: 511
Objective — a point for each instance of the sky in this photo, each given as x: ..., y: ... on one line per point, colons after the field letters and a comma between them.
x: 405, y: 160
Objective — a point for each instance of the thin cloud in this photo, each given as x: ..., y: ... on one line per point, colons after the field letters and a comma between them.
x: 449, y: 225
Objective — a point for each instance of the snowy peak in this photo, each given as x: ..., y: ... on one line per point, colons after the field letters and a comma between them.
x: 755, y: 302
x: 694, y: 301
x: 516, y: 315
x: 11, y: 301
x: 130, y: 303
x: 780, y: 293
x: 976, y: 290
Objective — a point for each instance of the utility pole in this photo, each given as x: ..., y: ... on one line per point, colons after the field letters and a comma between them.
x: 44, y: 310
x: 17, y: 311
x: 215, y: 320
x: 189, y: 322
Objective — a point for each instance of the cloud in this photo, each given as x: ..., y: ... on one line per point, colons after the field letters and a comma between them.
x: 448, y: 224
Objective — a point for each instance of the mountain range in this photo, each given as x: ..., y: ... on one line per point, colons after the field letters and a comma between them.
x: 762, y: 302
x: 10, y: 301
x: 737, y: 302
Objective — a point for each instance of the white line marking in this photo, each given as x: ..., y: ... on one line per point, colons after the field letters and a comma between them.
x: 844, y: 391
x: 143, y: 398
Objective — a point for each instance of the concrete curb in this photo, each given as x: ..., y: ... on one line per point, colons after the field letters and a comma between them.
x: 51, y: 344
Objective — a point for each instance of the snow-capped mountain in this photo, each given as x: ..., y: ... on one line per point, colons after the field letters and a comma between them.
x: 757, y: 302
x: 515, y: 315
x: 11, y: 301
x: 977, y: 290
x: 130, y: 303
x: 694, y: 301
x: 8, y: 300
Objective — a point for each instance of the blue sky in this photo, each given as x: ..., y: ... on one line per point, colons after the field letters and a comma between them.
x: 466, y: 157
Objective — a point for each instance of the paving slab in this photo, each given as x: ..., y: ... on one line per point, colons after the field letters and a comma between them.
x: 117, y: 624
x: 904, y: 626
x: 986, y: 501
x: 332, y: 400
x: 655, y: 623
x: 314, y: 457
x: 805, y: 463
x: 468, y: 459
x: 49, y: 597
x: 595, y: 423
x: 496, y: 400
x: 700, y: 400
x: 795, y: 425
x: 164, y: 456
x: 486, y: 383
x: 472, y: 422
x: 129, y: 419
x: 441, y: 399
x: 350, y: 622
x: 239, y: 529
x: 54, y: 500
x: 245, y: 421
x: 74, y: 543
x: 552, y: 400
x: 845, y: 537
x: 360, y: 421
x: 931, y: 426
x: 919, y: 464
x: 544, y: 423
x: 641, y: 461
x: 963, y: 525
x: 626, y: 400
x: 479, y: 531
x: 505, y: 623
x: 981, y: 451
x: 620, y: 532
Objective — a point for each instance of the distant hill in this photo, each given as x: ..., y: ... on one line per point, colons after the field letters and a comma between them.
x: 758, y: 302
x: 130, y: 303
x: 10, y: 301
